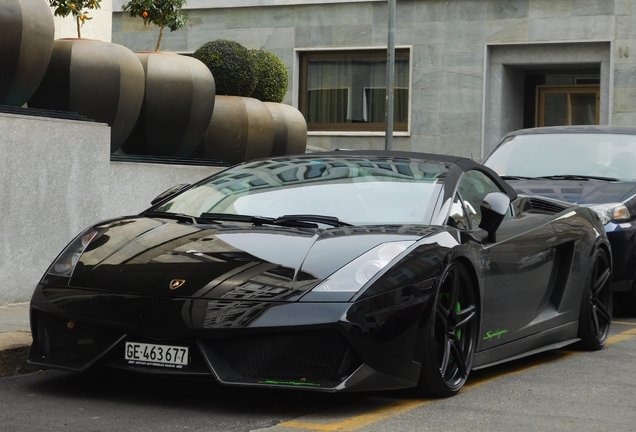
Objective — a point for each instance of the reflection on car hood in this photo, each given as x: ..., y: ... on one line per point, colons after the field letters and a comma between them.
x: 577, y: 191
x: 157, y: 257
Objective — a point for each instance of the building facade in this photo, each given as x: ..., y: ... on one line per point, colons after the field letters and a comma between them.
x: 467, y: 71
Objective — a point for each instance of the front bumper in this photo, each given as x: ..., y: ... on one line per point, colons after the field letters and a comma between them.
x: 318, y: 346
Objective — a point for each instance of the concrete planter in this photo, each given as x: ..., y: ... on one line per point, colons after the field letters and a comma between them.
x: 26, y: 41
x: 100, y: 80
x: 241, y: 129
x: 177, y: 106
x: 291, y: 130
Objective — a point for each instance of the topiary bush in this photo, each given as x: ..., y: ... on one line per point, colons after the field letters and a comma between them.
x: 231, y: 65
x: 272, y: 78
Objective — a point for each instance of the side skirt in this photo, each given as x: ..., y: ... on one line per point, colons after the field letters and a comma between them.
x: 554, y: 338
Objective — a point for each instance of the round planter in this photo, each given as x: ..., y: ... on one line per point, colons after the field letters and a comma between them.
x: 100, y: 80
x: 241, y: 129
x: 26, y: 41
x: 177, y: 106
x: 291, y: 130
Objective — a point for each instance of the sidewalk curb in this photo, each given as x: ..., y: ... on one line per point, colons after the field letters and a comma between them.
x: 14, y: 347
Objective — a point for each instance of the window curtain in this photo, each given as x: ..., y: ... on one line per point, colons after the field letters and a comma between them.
x: 328, y: 90
x: 353, y: 90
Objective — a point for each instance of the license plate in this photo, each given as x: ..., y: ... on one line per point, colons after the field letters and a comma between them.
x: 142, y: 354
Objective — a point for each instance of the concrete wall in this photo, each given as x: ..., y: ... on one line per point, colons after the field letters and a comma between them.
x: 56, y: 179
x: 449, y: 41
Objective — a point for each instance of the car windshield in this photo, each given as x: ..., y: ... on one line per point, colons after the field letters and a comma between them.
x: 610, y: 156
x: 354, y: 190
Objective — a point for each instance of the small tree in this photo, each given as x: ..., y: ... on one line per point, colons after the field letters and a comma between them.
x: 78, y: 8
x: 161, y: 13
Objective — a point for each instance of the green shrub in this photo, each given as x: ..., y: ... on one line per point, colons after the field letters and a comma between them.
x: 231, y: 65
x: 271, y: 76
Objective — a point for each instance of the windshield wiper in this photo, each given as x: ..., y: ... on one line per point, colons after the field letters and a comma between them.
x: 176, y: 216
x: 234, y: 218
x: 256, y: 220
x: 181, y: 217
x: 577, y: 177
x: 321, y: 219
x: 297, y: 221
x: 511, y: 177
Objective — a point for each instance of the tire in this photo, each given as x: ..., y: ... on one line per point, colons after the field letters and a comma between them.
x: 595, y: 317
x: 451, y: 336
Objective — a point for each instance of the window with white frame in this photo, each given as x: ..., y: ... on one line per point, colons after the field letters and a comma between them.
x: 346, y: 90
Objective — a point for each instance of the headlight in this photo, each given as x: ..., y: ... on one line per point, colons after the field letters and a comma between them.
x: 68, y: 259
x: 358, y: 272
x: 611, y: 211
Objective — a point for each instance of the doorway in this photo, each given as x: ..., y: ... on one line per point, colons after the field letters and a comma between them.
x: 545, y: 84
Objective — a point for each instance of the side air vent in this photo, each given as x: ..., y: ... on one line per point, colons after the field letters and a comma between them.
x: 542, y: 206
x: 562, y: 264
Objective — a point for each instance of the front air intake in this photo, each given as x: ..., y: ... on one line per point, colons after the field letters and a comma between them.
x: 67, y: 343
x: 320, y: 358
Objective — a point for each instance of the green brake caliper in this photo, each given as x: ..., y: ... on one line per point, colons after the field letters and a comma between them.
x: 458, y: 309
x: 459, y: 332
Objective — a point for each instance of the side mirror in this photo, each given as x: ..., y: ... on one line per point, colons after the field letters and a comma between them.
x: 493, y: 210
x: 165, y: 194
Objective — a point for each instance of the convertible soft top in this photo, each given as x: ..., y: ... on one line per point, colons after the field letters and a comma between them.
x: 462, y: 162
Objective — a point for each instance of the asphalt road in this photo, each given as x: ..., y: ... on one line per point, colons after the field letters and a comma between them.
x: 556, y: 391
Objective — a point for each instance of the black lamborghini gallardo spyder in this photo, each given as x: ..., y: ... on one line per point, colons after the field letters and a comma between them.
x: 339, y: 271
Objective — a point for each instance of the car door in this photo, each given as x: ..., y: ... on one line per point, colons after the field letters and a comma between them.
x: 517, y: 267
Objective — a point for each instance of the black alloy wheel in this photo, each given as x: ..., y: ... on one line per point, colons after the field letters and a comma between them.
x: 451, y: 336
x: 595, y: 317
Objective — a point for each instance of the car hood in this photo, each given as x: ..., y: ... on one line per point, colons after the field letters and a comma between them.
x: 165, y: 258
x: 583, y: 192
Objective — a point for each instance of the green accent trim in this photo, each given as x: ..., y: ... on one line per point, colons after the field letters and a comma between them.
x: 497, y: 334
x: 292, y: 383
